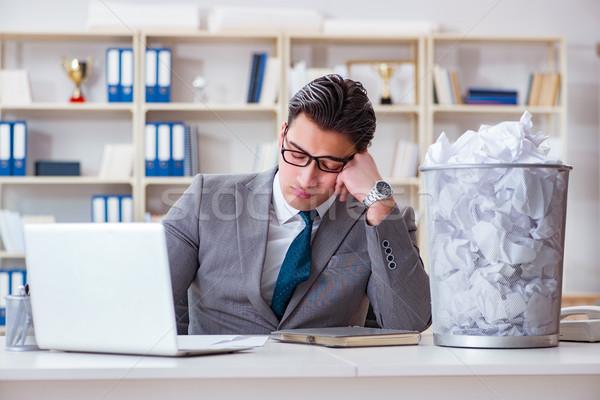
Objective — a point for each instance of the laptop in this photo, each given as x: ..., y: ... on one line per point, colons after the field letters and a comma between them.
x: 107, y: 288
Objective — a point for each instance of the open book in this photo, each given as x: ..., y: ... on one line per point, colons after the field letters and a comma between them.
x: 353, y: 336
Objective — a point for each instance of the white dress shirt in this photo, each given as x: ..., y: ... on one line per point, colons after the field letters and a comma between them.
x: 284, y: 225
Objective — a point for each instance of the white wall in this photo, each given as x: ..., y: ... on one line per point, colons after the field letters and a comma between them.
x: 577, y: 20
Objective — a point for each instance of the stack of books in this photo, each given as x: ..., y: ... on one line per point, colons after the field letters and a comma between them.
x: 491, y: 96
x: 406, y: 160
x: 11, y: 231
x: 15, y: 87
x: 116, y: 161
x: 267, y: 155
x: 446, y: 89
x: 543, y: 89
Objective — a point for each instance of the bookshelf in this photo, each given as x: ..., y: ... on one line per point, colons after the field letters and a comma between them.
x: 401, y: 120
x: 229, y: 128
x: 503, y: 62
x: 58, y: 130
x: 225, y: 143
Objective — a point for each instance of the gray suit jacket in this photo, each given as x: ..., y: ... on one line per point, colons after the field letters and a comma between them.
x: 217, y: 234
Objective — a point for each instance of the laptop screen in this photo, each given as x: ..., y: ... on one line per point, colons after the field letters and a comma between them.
x: 101, y: 287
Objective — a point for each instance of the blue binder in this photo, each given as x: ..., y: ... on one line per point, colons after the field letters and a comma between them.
x: 19, y: 147
x: 4, y: 291
x: 126, y: 75
x: 262, y: 62
x: 252, y: 79
x: 151, y: 75
x: 151, y: 149
x: 164, y: 75
x: 163, y: 140
x: 113, y: 74
x: 187, y: 157
x: 5, y: 148
x: 177, y: 148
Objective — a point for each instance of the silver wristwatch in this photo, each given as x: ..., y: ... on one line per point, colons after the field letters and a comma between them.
x: 380, y: 191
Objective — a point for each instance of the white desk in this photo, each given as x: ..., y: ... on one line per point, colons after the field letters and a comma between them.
x: 292, y: 371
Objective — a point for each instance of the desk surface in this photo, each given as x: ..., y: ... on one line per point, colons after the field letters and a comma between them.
x: 577, y: 363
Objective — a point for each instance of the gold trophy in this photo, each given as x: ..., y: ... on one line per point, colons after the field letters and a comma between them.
x: 78, y: 71
x: 385, y: 72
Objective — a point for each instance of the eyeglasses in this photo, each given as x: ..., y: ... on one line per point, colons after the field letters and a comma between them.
x: 299, y: 158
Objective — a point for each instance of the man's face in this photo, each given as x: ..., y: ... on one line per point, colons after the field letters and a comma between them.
x: 305, y: 188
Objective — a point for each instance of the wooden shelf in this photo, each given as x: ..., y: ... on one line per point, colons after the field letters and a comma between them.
x: 63, y: 180
x: 211, y: 107
x: 354, y: 38
x: 5, y: 254
x: 495, y: 39
x: 493, y: 109
x: 397, y: 108
x: 417, y: 121
x: 531, y: 54
x: 412, y: 181
x: 90, y: 35
x: 70, y: 107
x: 167, y: 180
x: 184, y: 35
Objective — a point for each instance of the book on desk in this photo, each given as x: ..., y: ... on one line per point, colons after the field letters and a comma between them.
x: 352, y: 336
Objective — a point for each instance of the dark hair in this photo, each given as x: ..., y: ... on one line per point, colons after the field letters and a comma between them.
x: 336, y: 104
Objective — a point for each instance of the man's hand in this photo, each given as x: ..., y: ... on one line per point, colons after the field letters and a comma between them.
x: 357, y: 179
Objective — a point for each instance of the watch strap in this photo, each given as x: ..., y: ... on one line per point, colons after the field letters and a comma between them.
x: 374, y: 195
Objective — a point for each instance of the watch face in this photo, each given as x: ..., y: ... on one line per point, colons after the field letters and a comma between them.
x: 384, y: 188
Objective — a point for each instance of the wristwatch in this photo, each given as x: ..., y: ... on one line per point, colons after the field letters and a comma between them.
x: 380, y: 191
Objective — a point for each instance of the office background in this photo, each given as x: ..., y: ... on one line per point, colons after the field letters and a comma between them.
x: 578, y: 21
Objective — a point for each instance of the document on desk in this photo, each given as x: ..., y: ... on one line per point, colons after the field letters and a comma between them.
x: 220, y: 341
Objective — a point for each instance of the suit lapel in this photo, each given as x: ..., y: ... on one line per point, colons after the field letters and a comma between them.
x: 336, y: 224
x: 253, y: 203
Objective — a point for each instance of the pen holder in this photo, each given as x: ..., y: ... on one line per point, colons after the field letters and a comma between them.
x: 20, y: 334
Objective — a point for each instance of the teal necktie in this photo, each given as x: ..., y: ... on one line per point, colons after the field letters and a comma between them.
x: 295, y: 267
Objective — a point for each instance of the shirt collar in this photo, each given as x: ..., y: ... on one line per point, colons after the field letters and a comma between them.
x: 284, y: 211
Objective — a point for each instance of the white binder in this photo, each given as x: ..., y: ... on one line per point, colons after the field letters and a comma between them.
x: 127, y: 75
x: 113, y: 74
x: 19, y: 148
x: 164, y: 75
x: 98, y: 209
x: 164, y: 149
x: 151, y: 75
x: 150, y: 149
x: 178, y: 148
x: 126, y: 208
x: 113, y: 205
x: 5, y: 133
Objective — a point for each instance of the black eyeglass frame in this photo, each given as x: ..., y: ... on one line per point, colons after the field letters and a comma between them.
x: 344, y: 161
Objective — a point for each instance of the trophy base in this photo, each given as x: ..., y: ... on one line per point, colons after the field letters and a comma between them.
x: 79, y: 99
x: 386, y: 100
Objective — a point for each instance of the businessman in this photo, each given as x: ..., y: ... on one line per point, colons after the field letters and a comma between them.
x: 311, y: 243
